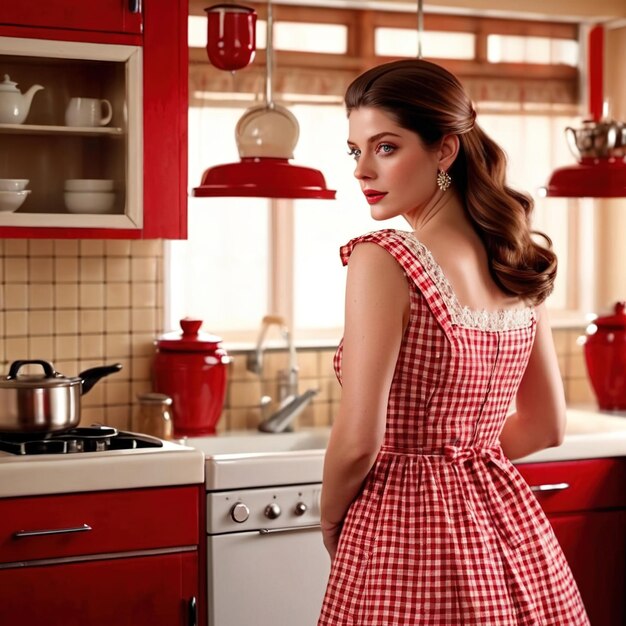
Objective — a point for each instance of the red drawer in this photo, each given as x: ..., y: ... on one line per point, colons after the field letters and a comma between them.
x: 119, y: 521
x: 591, y: 484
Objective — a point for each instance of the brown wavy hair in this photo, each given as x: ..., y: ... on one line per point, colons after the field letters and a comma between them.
x: 427, y: 99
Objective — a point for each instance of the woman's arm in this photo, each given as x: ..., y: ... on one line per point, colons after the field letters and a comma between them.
x: 377, y: 305
x: 539, y: 419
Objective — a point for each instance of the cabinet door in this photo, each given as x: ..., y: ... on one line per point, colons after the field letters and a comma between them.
x: 152, y: 591
x: 116, y: 16
x: 594, y: 544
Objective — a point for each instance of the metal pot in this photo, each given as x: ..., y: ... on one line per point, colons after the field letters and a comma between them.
x: 44, y: 403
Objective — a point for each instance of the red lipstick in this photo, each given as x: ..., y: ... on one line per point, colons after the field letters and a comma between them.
x: 373, y: 196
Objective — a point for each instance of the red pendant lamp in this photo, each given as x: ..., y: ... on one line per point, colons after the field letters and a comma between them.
x: 266, y: 136
x: 599, y: 144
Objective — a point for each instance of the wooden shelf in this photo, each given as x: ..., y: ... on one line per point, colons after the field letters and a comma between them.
x: 32, y: 129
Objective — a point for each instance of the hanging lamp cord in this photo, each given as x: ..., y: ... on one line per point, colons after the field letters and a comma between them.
x: 420, y: 27
x: 269, y: 56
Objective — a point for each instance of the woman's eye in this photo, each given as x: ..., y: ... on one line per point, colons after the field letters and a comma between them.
x: 355, y: 153
x: 386, y: 148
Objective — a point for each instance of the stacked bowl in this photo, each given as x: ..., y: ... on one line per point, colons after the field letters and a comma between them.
x: 13, y: 192
x: 89, y: 195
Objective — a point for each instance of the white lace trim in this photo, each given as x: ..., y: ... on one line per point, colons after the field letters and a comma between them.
x: 502, y: 319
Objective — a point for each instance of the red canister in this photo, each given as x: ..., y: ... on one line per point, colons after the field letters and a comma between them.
x: 191, y: 368
x: 605, y: 356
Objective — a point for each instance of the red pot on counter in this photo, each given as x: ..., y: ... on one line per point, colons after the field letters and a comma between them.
x: 191, y: 368
x: 605, y: 356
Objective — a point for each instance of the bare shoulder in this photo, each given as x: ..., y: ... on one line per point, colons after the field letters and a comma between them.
x: 375, y: 260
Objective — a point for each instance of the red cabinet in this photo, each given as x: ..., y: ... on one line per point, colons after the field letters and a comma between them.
x: 128, y: 557
x: 116, y: 16
x: 586, y: 504
x: 145, y: 148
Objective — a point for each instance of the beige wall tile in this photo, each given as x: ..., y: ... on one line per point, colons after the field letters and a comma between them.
x: 91, y: 346
x: 152, y: 248
x: 117, y: 320
x: 16, y: 270
x: 143, y: 344
x: 16, y: 297
x: 143, y: 320
x: 143, y: 295
x: 117, y: 295
x: 117, y: 269
x: 15, y: 247
x: 561, y: 340
x: 579, y: 391
x: 245, y: 394
x: 41, y: 247
x: 16, y: 324
x: 66, y: 247
x: 117, y: 344
x: 41, y: 348
x: 91, y: 269
x: 40, y: 322
x: 238, y: 369
x: 16, y: 348
x: 66, y: 270
x: 91, y: 247
x: 308, y: 364
x: 118, y: 417
x: 66, y: 321
x: 577, y: 368
x: 141, y: 369
x: 94, y: 397
x: 40, y: 296
x: 40, y: 269
x: 117, y: 247
x: 144, y: 269
x: 574, y: 340
x: 91, y: 321
x: 66, y: 347
x: 117, y: 392
x: 273, y: 362
x: 66, y: 296
x: 326, y: 362
x: 91, y: 295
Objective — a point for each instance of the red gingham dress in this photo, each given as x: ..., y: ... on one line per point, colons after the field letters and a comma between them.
x: 445, y: 531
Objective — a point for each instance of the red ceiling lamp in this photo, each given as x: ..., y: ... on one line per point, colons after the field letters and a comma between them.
x: 599, y: 144
x: 266, y: 136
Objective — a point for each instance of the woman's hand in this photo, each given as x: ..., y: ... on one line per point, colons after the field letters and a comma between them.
x: 330, y: 535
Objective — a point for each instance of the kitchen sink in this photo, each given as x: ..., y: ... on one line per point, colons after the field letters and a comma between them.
x: 244, y: 459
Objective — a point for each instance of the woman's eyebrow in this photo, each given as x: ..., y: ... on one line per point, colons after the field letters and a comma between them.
x: 375, y: 138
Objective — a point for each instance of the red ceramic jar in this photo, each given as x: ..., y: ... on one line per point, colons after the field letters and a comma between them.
x: 605, y: 356
x: 191, y: 368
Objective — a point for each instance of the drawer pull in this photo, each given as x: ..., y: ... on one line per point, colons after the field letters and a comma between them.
x: 134, y: 6
x: 289, y: 529
x: 20, y: 534
x: 549, y: 487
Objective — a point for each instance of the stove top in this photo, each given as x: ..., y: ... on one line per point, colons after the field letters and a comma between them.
x: 93, y: 438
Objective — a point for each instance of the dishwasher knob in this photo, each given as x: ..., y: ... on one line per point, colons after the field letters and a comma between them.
x: 272, y: 511
x: 240, y: 513
x: 301, y: 508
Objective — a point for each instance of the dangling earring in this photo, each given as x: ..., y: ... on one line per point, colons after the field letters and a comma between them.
x: 443, y: 180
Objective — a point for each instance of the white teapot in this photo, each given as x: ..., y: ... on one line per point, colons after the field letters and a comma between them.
x: 14, y: 106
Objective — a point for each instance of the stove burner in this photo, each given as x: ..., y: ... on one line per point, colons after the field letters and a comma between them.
x: 95, y: 438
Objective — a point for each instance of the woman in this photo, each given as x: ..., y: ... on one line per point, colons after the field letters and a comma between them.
x: 424, y: 516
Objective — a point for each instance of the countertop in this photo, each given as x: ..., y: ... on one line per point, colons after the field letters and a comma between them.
x: 170, y: 465
x: 589, y: 434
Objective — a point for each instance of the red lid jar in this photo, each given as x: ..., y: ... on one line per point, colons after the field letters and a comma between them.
x: 605, y: 356
x: 191, y: 368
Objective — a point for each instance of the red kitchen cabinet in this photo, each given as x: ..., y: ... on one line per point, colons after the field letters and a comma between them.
x: 116, y: 16
x: 128, y: 557
x: 139, y: 62
x: 585, y: 502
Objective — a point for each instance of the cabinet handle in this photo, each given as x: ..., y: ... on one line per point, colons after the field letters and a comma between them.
x: 134, y: 6
x: 288, y: 529
x: 548, y: 488
x: 20, y: 534
x: 193, y: 611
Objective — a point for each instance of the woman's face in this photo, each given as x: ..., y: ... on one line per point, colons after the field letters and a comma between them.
x: 396, y: 172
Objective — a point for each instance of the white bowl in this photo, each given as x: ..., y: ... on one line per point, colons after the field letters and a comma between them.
x: 12, y: 200
x: 89, y: 201
x: 13, y: 184
x: 89, y: 184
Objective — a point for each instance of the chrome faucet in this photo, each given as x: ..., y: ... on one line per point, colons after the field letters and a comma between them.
x: 291, y: 403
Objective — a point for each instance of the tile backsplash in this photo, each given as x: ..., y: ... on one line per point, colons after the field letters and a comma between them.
x: 83, y: 303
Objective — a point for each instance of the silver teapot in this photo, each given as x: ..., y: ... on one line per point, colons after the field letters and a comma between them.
x: 596, y: 139
x: 14, y: 106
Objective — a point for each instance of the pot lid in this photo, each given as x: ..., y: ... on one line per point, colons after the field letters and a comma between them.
x: 616, y: 321
x: 190, y: 340
x: 8, y: 85
x: 48, y: 378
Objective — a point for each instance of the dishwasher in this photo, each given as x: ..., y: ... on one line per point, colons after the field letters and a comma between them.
x: 267, y: 565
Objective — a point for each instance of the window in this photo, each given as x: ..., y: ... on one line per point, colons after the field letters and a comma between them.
x: 249, y: 257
